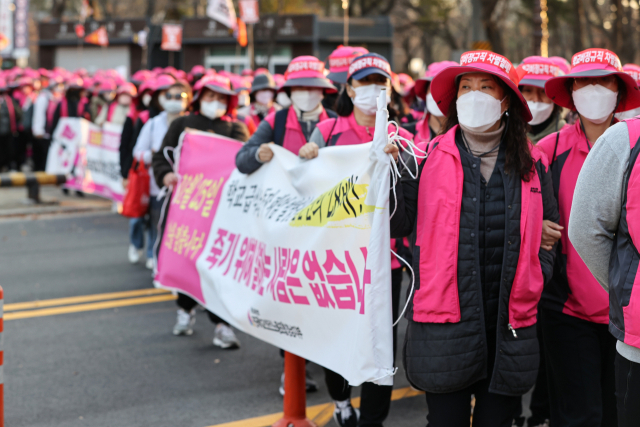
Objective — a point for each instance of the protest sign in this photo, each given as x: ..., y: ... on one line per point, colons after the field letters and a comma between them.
x: 296, y: 254
x: 89, y: 155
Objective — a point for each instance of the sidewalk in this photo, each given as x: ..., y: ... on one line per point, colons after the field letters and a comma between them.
x: 14, y: 202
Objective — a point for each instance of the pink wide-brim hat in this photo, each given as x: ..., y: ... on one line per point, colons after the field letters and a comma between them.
x: 593, y: 63
x: 445, y: 90
x: 339, y: 62
x: 536, y: 70
x: 307, y: 71
x: 422, y: 84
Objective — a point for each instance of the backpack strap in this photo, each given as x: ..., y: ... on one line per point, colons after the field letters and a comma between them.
x: 555, y: 150
x: 280, y: 126
x: 332, y: 114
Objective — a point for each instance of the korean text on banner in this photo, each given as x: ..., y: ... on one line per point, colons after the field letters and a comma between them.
x: 90, y: 155
x: 296, y: 254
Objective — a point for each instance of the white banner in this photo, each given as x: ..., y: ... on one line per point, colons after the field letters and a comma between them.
x: 223, y: 12
x: 296, y: 254
x: 90, y: 155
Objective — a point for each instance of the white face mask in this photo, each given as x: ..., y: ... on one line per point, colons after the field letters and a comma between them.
x: 366, y: 98
x: 306, y: 100
x: 540, y: 111
x: 172, y: 106
x: 478, y: 111
x: 124, y: 99
x: 628, y: 114
x: 243, y: 100
x: 213, y: 109
x: 146, y: 99
x: 264, y: 97
x: 595, y: 102
x: 283, y: 100
x: 432, y: 106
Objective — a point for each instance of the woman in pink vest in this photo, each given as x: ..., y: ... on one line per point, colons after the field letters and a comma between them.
x: 425, y: 129
x: 367, y: 76
x: 574, y: 310
x: 291, y: 127
x: 477, y: 208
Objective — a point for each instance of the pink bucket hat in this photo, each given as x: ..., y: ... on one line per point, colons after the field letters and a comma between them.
x: 307, y: 71
x: 633, y: 70
x: 339, y: 62
x: 593, y: 63
x: 219, y: 84
x: 128, y: 88
x: 422, y: 85
x: 445, y: 90
x: 562, y: 63
x: 164, y: 82
x: 536, y: 70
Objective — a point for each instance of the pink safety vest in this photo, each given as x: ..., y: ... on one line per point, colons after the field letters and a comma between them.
x: 423, y: 132
x: 438, y: 232
x: 64, y: 107
x: 587, y: 300
x: 293, y: 137
x: 346, y: 131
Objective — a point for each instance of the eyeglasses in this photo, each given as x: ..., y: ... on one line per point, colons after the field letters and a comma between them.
x: 176, y: 96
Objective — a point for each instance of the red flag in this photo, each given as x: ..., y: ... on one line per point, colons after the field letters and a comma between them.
x: 171, y: 37
x: 249, y: 11
x: 98, y: 37
x: 4, y: 41
x: 242, y: 33
x: 79, y: 30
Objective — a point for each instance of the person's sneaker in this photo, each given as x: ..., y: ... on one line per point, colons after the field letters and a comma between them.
x: 224, y: 337
x: 346, y: 415
x: 149, y: 263
x: 134, y: 254
x: 184, y: 322
x: 311, y: 384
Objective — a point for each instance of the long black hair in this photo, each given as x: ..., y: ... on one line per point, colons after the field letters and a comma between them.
x: 518, y: 153
x: 344, y: 105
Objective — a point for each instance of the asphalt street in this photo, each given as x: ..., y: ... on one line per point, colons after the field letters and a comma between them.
x: 122, y: 366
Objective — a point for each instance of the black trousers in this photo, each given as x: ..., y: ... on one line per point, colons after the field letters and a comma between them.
x: 375, y: 400
x: 454, y: 409
x: 627, y: 392
x: 6, y: 151
x: 39, y: 154
x: 187, y: 303
x: 580, y: 359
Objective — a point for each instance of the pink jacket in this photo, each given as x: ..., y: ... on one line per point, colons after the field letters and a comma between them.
x: 584, y: 298
x: 437, y: 235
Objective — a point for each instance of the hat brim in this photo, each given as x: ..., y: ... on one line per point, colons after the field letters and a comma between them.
x: 219, y: 89
x: 340, y: 77
x: 421, y: 87
x: 255, y: 89
x: 361, y: 74
x: 556, y: 89
x: 533, y: 82
x: 311, y: 82
x: 444, y: 88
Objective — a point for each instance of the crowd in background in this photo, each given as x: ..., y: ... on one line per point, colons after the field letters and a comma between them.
x: 504, y: 301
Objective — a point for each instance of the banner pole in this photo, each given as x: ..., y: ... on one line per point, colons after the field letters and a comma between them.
x: 295, y: 393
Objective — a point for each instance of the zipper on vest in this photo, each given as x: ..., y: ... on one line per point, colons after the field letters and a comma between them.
x: 513, y: 331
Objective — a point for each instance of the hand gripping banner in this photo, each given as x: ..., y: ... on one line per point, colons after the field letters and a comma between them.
x: 296, y: 253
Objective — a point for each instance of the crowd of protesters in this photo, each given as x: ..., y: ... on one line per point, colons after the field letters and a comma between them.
x: 518, y: 213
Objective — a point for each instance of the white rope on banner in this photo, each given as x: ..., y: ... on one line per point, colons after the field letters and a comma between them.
x: 415, y: 153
